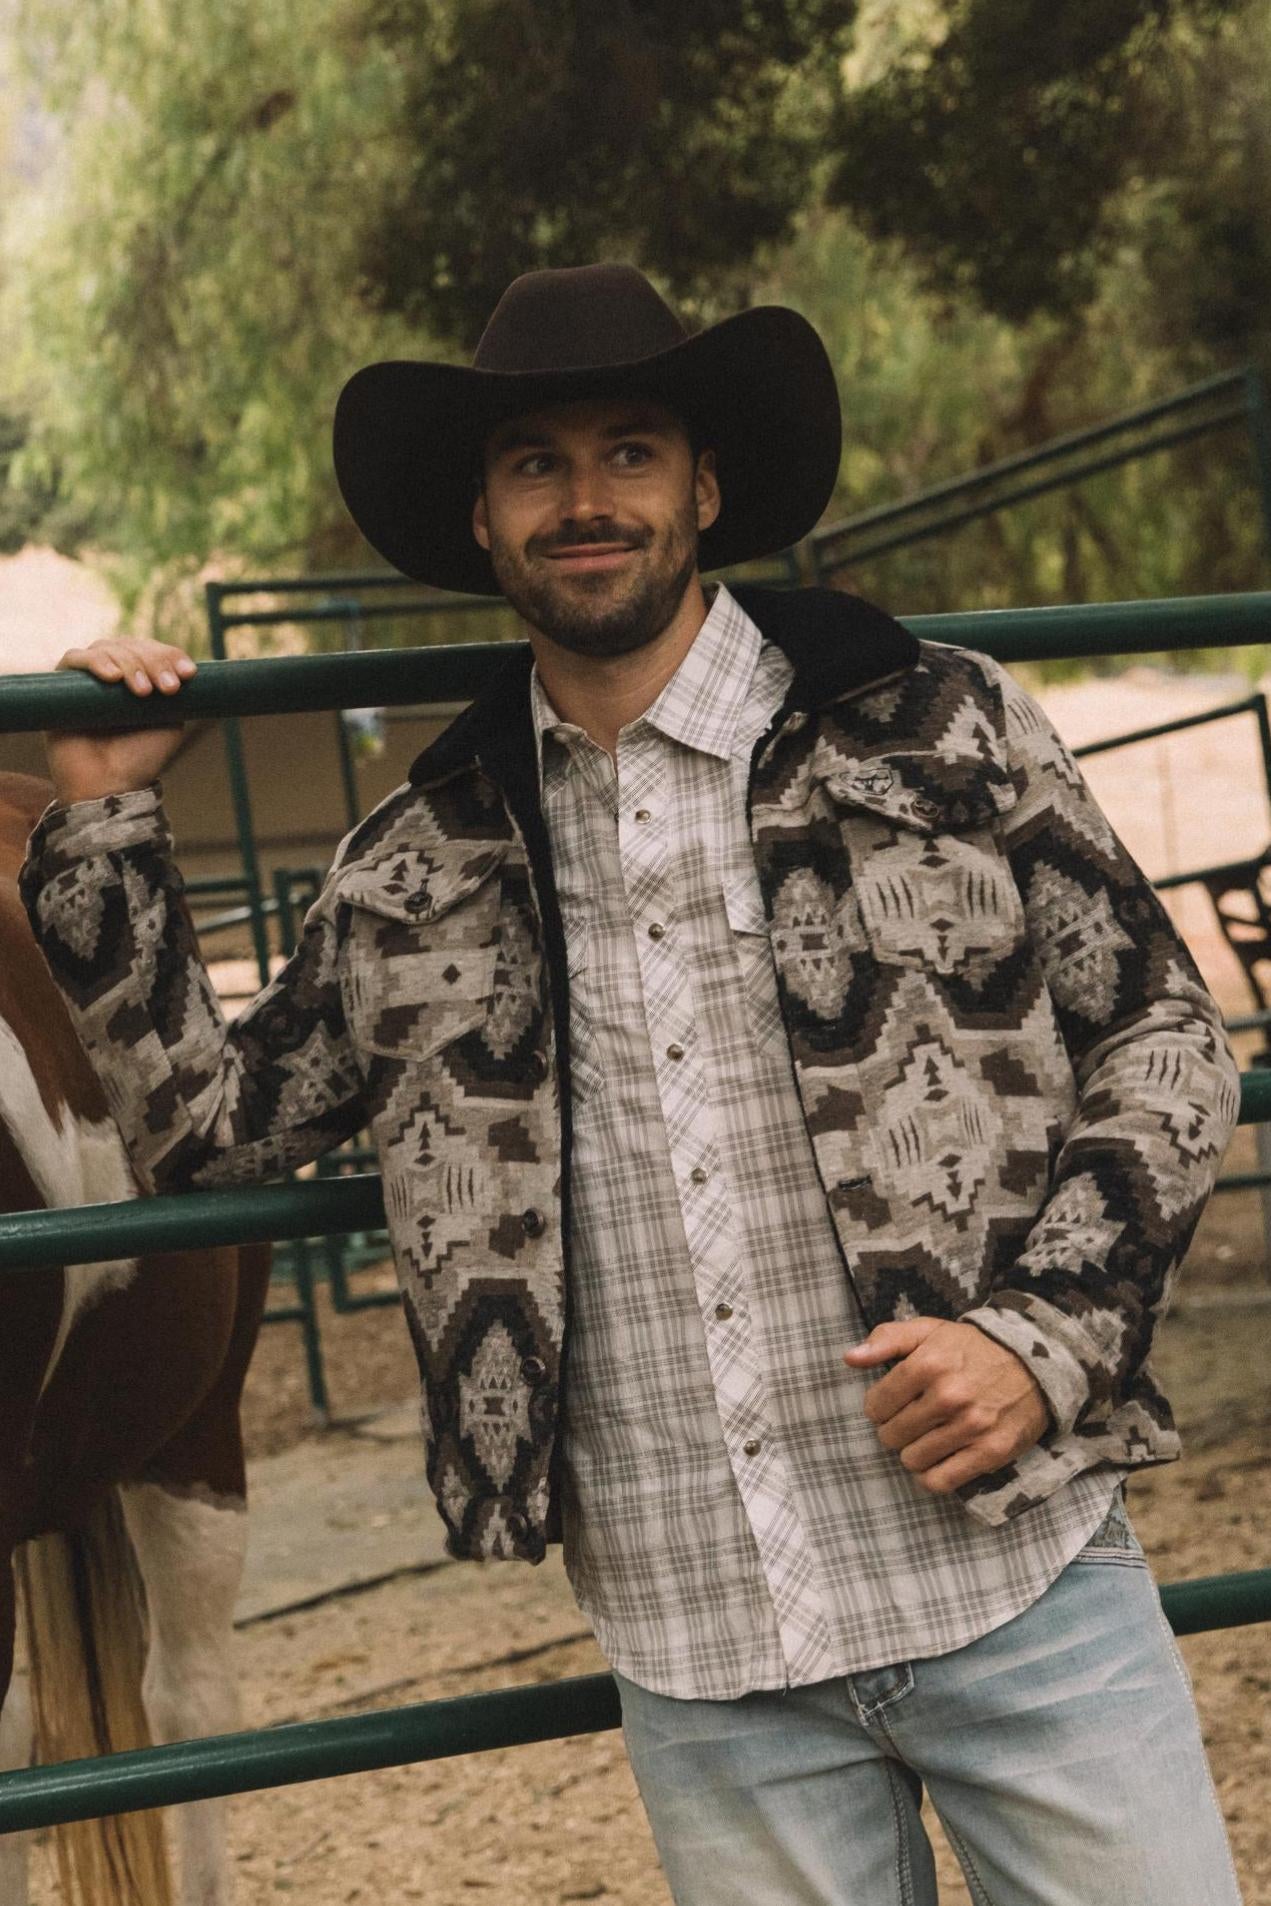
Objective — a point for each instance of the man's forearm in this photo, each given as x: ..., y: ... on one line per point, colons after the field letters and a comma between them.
x: 197, y: 1100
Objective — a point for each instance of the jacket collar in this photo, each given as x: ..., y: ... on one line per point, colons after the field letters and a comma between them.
x: 837, y: 644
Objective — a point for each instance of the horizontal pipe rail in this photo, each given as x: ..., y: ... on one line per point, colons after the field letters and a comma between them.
x: 838, y: 555
x: 1059, y: 448
x: 428, y: 1730
x: 194, y: 1220
x: 306, y: 1750
x: 1159, y: 729
x: 317, y: 1207
x: 274, y: 685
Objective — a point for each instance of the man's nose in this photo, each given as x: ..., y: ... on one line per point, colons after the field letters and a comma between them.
x: 585, y: 493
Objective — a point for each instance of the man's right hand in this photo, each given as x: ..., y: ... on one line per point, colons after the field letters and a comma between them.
x: 84, y: 766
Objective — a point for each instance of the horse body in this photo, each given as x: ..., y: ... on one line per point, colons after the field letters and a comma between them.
x: 122, y: 1485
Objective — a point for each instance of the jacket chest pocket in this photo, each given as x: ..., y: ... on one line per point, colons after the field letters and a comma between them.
x: 418, y: 974
x: 931, y: 879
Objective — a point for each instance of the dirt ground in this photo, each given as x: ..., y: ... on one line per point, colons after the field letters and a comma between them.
x: 561, y: 1822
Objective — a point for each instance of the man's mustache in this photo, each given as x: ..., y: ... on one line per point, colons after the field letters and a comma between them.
x: 580, y: 535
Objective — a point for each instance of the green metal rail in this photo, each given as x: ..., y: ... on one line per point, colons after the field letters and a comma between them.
x: 31, y: 1240
x: 387, y: 677
x: 1233, y: 397
x: 34, y: 1240
x: 428, y: 1730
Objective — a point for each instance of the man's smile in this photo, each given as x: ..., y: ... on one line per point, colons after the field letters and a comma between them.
x: 584, y: 558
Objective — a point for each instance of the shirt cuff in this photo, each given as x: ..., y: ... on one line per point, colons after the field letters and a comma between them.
x: 84, y: 830
x: 1034, y: 1331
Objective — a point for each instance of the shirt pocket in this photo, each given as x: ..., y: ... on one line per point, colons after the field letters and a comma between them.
x: 586, y: 1073
x: 752, y: 947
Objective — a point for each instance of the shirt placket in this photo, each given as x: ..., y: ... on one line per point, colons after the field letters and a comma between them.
x: 715, y: 1252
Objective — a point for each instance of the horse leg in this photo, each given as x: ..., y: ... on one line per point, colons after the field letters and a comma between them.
x: 190, y: 1552
x: 188, y: 1525
x: 15, y: 1743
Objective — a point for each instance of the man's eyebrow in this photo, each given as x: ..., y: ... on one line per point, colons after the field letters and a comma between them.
x: 642, y: 423
x: 514, y: 439
x: 637, y: 423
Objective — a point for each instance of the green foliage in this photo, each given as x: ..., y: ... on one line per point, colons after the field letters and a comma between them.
x: 184, y: 281
x: 681, y: 138
x: 934, y: 388
x: 1007, y: 219
x: 998, y: 156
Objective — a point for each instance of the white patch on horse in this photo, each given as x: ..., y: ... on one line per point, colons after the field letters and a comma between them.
x: 15, y: 1752
x: 191, y: 1556
x: 72, y: 1161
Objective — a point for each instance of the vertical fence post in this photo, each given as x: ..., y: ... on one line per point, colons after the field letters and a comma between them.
x: 1260, y: 441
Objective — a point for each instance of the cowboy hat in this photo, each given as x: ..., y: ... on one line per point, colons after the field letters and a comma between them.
x: 756, y: 388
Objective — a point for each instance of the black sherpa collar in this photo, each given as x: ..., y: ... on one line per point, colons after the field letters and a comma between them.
x: 838, y: 644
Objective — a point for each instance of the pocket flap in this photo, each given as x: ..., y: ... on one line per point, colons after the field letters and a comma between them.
x: 743, y: 903
x: 929, y: 793
x: 420, y: 883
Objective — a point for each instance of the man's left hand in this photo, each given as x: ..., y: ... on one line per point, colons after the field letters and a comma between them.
x: 957, y: 1404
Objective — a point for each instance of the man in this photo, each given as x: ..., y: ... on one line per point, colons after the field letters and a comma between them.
x: 793, y: 1105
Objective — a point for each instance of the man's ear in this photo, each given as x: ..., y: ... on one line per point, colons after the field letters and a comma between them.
x: 481, y: 520
x: 706, y: 490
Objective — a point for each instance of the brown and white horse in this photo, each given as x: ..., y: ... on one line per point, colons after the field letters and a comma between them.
x: 122, y: 1489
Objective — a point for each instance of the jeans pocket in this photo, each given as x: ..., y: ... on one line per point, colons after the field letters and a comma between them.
x: 1114, y: 1540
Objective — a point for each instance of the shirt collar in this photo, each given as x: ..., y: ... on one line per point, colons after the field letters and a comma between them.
x: 701, y: 705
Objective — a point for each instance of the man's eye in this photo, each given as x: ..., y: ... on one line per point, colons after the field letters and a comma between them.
x: 536, y: 465
x: 629, y: 455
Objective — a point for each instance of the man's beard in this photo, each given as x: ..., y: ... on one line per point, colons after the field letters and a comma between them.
x: 608, y: 613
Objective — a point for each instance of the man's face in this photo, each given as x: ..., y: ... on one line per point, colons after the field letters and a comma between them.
x: 591, y: 513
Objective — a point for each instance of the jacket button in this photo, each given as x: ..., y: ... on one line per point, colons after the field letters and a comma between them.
x: 518, y: 1525
x: 533, y: 1223
x: 533, y: 1369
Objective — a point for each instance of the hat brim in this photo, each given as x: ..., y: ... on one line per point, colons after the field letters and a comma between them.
x: 757, y: 388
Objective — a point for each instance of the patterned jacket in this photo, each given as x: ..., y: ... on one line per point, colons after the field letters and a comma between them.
x: 1016, y: 1084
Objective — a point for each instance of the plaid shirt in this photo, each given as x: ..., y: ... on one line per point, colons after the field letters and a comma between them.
x: 731, y: 1520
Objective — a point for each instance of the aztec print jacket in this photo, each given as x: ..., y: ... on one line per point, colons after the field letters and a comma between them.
x: 1016, y: 1084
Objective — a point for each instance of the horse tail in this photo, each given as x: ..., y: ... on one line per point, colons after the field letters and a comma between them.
x: 84, y: 1617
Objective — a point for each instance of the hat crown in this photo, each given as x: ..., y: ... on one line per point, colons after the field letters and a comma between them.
x: 582, y: 318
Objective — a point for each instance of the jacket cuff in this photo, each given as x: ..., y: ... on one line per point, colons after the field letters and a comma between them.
x: 1048, y: 1344
x: 64, y: 835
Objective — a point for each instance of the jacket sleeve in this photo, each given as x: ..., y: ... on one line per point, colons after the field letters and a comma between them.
x: 1157, y: 1091
x: 199, y: 1101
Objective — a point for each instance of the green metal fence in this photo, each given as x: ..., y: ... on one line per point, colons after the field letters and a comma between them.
x: 34, y: 1240
x: 1232, y: 399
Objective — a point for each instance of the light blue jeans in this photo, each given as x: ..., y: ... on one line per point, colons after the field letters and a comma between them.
x: 1062, y: 1753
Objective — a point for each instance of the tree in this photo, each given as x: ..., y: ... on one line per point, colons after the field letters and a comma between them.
x: 1003, y: 155
x: 682, y: 138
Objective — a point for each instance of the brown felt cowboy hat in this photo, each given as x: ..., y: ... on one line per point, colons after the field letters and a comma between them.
x: 757, y: 388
